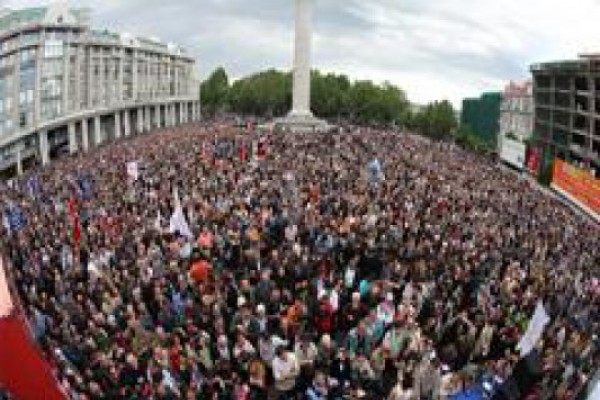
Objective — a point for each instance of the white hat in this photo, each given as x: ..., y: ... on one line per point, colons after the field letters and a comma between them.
x: 276, y: 341
x: 241, y: 301
x: 260, y: 309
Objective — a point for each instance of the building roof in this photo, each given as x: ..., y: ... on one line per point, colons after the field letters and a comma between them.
x: 26, y: 16
x: 60, y: 13
x: 516, y: 89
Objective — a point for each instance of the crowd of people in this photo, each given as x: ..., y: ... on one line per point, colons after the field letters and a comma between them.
x: 304, y: 276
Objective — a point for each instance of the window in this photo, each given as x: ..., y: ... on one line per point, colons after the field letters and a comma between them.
x: 53, y: 49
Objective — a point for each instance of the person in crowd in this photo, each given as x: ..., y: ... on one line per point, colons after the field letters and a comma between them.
x: 293, y: 274
x: 285, y: 371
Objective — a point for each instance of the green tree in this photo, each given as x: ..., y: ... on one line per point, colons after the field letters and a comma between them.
x: 267, y: 94
x: 334, y: 97
x: 213, y: 92
x: 436, y: 120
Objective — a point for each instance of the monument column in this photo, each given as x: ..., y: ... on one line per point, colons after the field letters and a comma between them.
x: 302, y: 62
x: 300, y: 118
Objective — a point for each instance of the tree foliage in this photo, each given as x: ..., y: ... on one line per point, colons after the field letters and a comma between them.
x: 436, y: 120
x: 334, y: 97
x: 470, y: 140
x: 214, y: 91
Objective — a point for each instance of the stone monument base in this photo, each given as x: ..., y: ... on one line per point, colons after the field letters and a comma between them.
x: 302, y: 122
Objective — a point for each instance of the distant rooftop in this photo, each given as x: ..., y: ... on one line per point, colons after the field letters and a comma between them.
x: 12, y: 19
x: 60, y: 13
x: 583, y: 63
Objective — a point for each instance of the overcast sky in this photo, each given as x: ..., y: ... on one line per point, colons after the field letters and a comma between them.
x: 433, y: 49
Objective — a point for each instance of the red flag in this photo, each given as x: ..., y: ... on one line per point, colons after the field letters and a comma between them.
x: 77, y: 230
x: 243, y: 151
x: 262, y: 149
x: 204, y: 154
x: 74, y: 213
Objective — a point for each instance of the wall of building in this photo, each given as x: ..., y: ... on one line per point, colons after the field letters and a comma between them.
x: 567, y: 109
x: 481, y: 115
x: 516, y: 123
x: 63, y: 84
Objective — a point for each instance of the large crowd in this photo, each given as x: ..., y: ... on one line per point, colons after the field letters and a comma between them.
x: 305, y: 276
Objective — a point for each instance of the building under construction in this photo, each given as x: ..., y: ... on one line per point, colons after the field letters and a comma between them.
x: 567, y: 112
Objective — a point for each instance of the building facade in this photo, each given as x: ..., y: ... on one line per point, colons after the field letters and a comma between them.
x: 516, y: 122
x: 481, y: 116
x: 567, y: 112
x: 65, y: 87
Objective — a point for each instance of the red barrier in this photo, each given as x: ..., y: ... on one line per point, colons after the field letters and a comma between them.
x: 23, y: 371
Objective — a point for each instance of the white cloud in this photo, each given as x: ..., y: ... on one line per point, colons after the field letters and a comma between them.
x: 432, y: 48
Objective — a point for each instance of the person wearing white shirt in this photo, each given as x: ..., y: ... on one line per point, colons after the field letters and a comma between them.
x: 285, y: 372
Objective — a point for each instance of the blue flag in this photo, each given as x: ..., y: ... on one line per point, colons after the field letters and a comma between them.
x: 34, y: 187
x: 15, y: 218
x: 375, y: 171
x: 85, y: 187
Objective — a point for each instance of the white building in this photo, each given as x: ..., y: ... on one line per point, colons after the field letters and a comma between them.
x: 67, y: 87
x: 516, y: 122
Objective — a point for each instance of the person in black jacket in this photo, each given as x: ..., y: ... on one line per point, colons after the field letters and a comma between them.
x: 340, y: 371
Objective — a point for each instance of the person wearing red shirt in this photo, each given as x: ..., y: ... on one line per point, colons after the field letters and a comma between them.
x: 324, y: 316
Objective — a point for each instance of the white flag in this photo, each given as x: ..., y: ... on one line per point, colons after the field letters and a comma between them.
x: 535, y: 329
x: 375, y: 171
x: 158, y: 222
x: 178, y: 222
x: 133, y: 170
x: 5, y: 222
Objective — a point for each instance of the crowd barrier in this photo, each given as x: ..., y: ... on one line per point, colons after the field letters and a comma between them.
x: 24, y: 373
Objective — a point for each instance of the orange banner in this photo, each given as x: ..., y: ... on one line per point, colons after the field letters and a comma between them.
x: 579, y: 184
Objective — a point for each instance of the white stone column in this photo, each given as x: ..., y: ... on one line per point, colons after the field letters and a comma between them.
x: 181, y: 113
x: 72, y: 138
x: 127, y: 122
x: 44, y: 147
x: 157, y: 119
x: 97, y: 132
x: 148, y: 120
x: 19, y: 162
x: 85, y: 139
x: 140, y: 120
x: 117, y: 125
x: 302, y: 59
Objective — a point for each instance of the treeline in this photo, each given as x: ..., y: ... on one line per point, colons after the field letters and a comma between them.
x: 334, y: 97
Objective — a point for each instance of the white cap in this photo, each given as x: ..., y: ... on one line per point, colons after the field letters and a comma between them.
x: 241, y: 301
